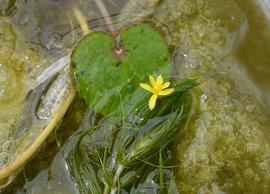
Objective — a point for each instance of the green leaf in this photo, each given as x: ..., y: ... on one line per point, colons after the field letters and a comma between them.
x: 104, y: 77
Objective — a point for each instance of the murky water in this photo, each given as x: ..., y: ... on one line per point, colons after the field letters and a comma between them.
x: 47, y: 30
x: 254, y: 51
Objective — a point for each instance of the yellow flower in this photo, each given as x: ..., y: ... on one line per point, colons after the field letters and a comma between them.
x: 158, y: 89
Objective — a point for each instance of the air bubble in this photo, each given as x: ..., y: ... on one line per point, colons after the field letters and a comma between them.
x: 55, y: 41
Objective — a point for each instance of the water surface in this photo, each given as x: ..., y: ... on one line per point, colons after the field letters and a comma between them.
x: 36, y: 33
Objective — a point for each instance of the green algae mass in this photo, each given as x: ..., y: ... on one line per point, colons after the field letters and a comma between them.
x: 10, y: 89
x: 225, y: 148
x: 17, y: 70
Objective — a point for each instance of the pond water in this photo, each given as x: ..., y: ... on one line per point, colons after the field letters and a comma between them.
x: 225, y: 44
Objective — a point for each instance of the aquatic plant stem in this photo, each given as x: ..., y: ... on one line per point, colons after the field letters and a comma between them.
x: 105, y: 14
x: 118, y: 172
x: 106, y: 189
x: 119, y: 52
x: 81, y: 19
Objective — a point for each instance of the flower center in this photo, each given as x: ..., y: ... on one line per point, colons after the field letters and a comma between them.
x: 157, y: 88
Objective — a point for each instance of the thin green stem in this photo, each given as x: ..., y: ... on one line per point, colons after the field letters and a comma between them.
x: 161, y: 171
x: 106, y: 189
x: 116, y: 183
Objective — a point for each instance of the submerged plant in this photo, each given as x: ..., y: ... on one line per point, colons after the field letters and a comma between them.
x: 123, y: 153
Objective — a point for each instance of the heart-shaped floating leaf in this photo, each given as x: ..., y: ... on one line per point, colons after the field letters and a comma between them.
x: 108, y: 69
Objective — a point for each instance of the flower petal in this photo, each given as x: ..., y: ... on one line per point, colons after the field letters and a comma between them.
x: 152, y: 101
x: 146, y: 87
x: 166, y: 85
x: 152, y: 80
x: 166, y: 92
x: 159, y: 80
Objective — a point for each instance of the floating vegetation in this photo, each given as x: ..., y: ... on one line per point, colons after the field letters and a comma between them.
x: 107, y: 69
x: 129, y: 137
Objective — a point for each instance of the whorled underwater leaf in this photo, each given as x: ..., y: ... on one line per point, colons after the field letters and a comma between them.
x: 118, y: 151
x: 107, y: 69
